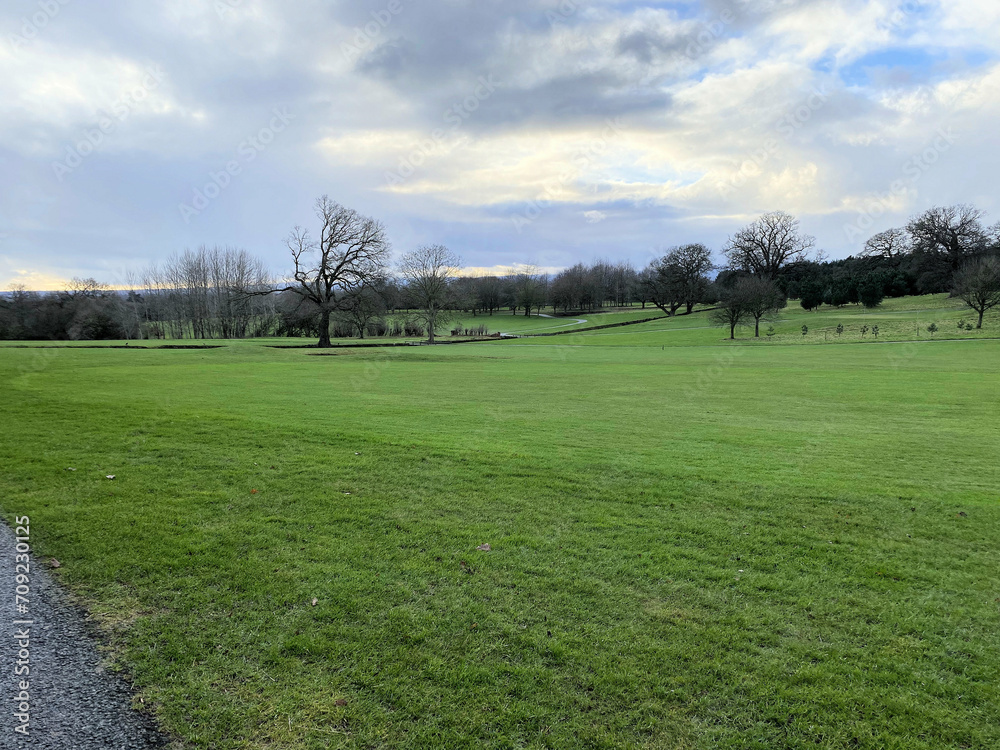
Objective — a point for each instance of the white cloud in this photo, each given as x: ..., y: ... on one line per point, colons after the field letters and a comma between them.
x: 718, y: 120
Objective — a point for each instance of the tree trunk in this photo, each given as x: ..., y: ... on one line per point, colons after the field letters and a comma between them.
x: 732, y: 331
x: 756, y: 328
x: 980, y: 324
x: 690, y: 307
x: 324, y: 329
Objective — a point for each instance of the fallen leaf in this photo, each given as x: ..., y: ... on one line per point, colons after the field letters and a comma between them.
x: 963, y: 514
x: 340, y: 702
x: 484, y: 547
x: 253, y: 492
x: 110, y: 476
x: 315, y: 601
x: 54, y: 563
x: 70, y: 468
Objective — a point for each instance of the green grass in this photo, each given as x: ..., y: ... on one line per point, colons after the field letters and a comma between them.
x: 695, y: 544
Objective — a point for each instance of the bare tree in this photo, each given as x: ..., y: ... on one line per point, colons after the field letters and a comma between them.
x: 731, y: 311
x: 531, y: 288
x: 891, y: 243
x: 351, y: 251
x: 361, y: 306
x: 760, y: 297
x: 489, y: 292
x: 89, y: 287
x: 664, y: 285
x: 765, y: 246
x: 978, y: 285
x: 952, y: 232
x: 692, y: 264
x: 428, y: 272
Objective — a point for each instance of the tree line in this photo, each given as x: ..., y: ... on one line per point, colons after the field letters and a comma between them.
x: 944, y: 249
x: 343, y: 283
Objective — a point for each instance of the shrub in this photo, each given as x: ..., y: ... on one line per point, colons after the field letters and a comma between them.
x: 932, y: 328
x: 840, y: 328
x: 805, y: 330
x: 376, y: 328
x: 342, y: 330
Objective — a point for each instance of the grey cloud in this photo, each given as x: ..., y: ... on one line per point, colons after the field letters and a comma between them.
x: 649, y: 45
x: 226, y: 72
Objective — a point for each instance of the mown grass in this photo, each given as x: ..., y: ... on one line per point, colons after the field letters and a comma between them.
x: 694, y: 544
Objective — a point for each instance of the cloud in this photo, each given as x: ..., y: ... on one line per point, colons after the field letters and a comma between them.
x: 721, y: 109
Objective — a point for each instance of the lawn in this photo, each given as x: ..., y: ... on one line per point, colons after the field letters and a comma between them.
x: 693, y: 544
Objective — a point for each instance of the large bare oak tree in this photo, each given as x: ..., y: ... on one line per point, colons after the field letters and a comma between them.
x: 350, y: 252
x: 766, y: 245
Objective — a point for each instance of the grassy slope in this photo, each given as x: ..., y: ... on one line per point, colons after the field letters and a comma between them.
x: 699, y: 546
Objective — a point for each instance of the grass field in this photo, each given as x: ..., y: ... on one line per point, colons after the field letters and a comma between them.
x: 781, y: 543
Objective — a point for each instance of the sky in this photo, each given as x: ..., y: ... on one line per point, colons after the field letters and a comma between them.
x: 513, y: 131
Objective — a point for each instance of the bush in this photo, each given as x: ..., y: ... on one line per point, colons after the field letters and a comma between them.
x: 376, y: 328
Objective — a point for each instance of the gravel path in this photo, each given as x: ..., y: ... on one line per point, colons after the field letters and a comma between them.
x: 74, y: 703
